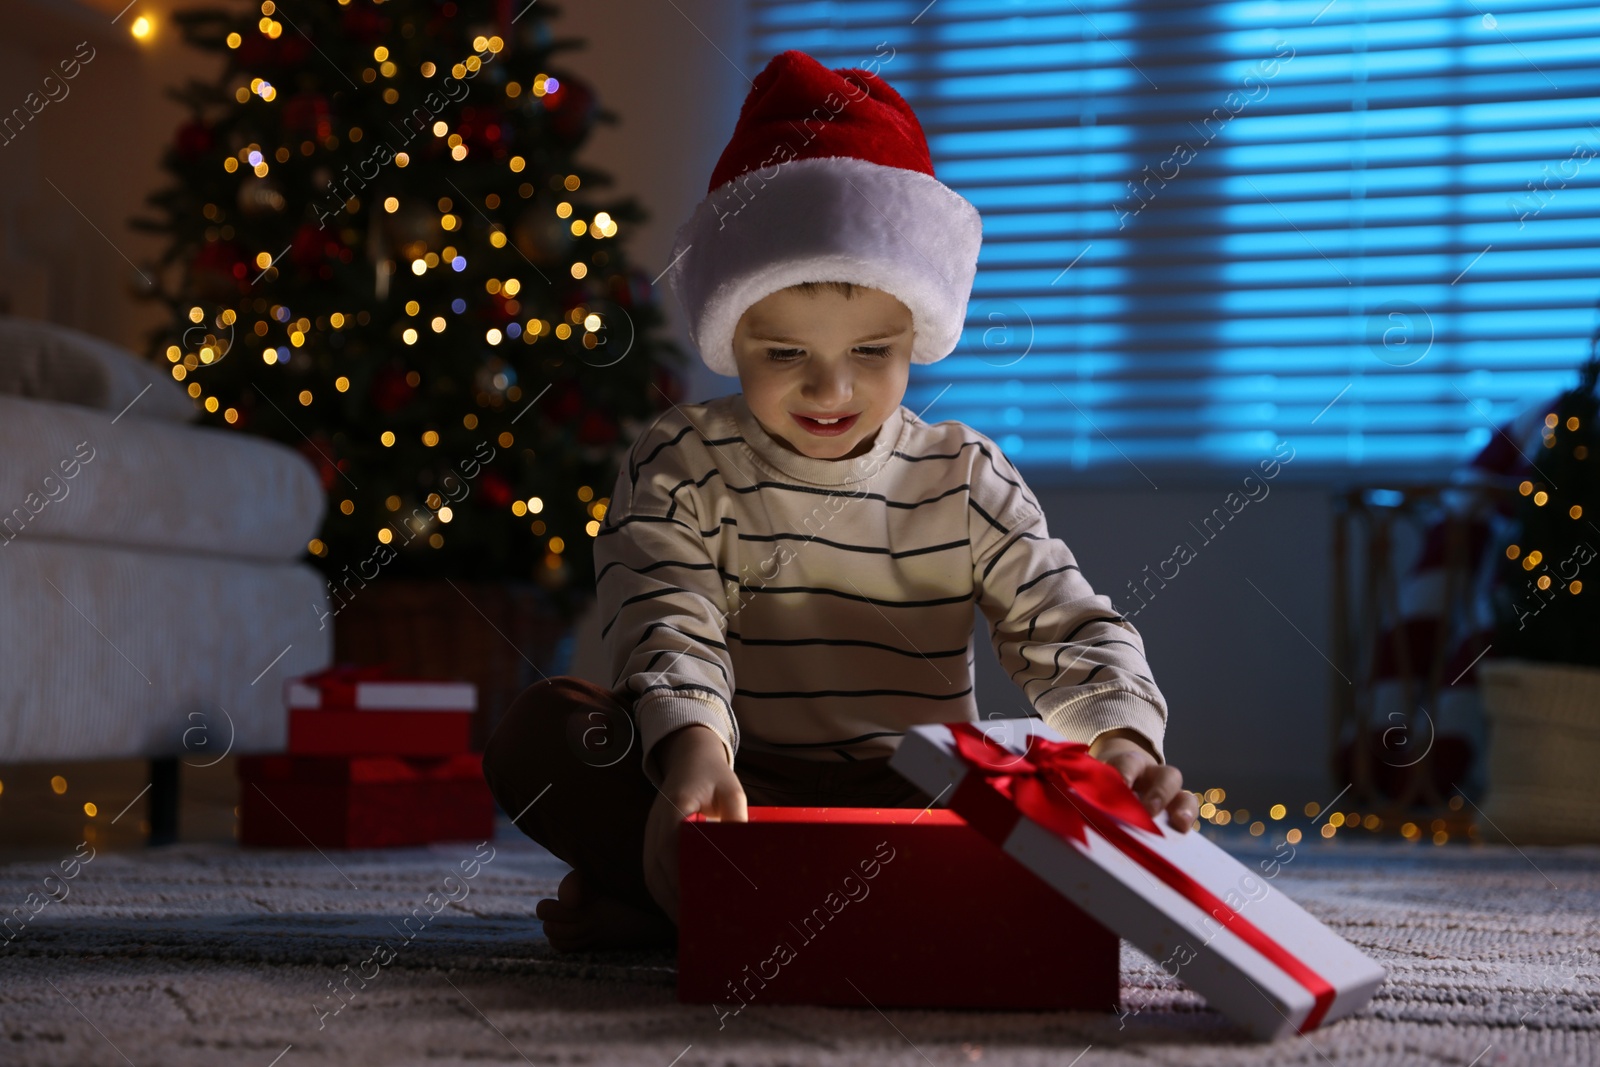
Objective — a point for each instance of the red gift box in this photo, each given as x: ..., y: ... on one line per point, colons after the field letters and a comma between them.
x: 362, y: 802
x: 893, y: 907
x: 351, y: 710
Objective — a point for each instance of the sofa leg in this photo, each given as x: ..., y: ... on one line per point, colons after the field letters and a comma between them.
x: 164, y: 800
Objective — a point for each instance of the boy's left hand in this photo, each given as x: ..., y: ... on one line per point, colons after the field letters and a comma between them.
x: 1158, y: 785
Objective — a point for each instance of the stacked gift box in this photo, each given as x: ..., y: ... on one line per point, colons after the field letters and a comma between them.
x: 374, y: 760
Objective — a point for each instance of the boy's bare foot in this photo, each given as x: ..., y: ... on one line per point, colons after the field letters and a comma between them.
x: 576, y: 921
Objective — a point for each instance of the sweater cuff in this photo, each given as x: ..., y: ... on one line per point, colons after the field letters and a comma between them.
x: 659, y: 716
x: 1087, y: 718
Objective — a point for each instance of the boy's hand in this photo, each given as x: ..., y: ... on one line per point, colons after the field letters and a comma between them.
x: 696, y: 778
x: 1158, y: 786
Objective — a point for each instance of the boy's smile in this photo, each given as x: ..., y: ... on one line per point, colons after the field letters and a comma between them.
x: 821, y: 371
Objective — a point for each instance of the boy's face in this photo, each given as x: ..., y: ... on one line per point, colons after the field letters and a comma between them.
x: 827, y: 355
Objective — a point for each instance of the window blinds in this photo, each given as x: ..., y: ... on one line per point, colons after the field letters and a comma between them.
x: 1368, y: 229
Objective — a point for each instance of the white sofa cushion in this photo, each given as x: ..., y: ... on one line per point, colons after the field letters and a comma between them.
x: 76, y: 473
x: 50, y: 362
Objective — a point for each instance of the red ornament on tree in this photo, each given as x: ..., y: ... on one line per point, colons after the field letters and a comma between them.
x: 572, y: 110
x: 597, y: 428
x: 390, y: 390
x: 577, y: 294
x: 317, y: 450
x: 494, y: 491
x: 479, y: 129
x: 364, y: 23
x: 567, y: 403
x: 307, y: 115
x: 313, y: 247
x: 194, y: 140
x: 256, y: 51
x: 219, y: 270
x: 500, y: 309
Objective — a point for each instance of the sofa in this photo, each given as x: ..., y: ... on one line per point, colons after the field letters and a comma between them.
x: 152, y: 601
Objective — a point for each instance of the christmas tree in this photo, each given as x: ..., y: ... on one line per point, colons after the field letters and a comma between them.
x: 1547, y: 602
x: 383, y: 252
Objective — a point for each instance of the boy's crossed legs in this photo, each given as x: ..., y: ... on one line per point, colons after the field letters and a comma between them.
x: 566, y: 757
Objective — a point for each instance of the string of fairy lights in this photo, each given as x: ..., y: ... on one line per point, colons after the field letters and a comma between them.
x: 1541, y: 496
x: 1411, y: 825
x: 1276, y: 823
x: 92, y: 832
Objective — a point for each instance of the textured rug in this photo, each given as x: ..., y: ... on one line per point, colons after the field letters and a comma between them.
x: 206, y: 954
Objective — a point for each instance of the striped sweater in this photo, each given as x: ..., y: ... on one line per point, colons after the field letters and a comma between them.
x: 817, y: 608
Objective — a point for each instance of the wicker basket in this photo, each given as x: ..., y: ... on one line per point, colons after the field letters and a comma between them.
x: 1544, y: 750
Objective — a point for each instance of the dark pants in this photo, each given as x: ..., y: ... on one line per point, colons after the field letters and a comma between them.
x: 565, y: 763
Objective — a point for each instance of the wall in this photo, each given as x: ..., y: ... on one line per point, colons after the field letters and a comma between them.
x: 73, y: 174
x: 1249, y: 692
x: 677, y: 82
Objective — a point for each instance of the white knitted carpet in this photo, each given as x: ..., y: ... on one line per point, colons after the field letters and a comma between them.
x: 205, y: 954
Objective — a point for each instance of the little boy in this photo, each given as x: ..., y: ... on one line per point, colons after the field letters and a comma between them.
x: 786, y: 576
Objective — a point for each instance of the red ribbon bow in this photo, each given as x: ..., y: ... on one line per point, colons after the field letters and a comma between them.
x: 337, y: 684
x: 1057, y: 784
x: 1061, y: 787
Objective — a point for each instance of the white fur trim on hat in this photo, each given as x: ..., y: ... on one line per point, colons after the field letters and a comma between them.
x: 827, y: 219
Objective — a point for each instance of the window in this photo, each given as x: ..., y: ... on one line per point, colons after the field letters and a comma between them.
x: 1370, y: 229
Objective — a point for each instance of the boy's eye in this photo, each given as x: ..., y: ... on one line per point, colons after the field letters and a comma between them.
x: 785, y: 355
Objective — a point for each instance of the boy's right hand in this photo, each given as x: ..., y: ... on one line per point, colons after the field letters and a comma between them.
x: 696, y: 778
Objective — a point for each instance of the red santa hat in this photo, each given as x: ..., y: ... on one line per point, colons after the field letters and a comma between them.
x: 827, y: 178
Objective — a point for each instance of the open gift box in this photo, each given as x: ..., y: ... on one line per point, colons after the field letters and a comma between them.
x: 888, y: 907
x: 1254, y: 954
x: 1014, y: 897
